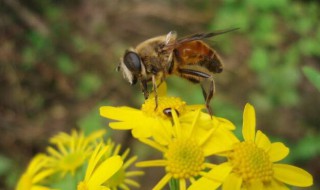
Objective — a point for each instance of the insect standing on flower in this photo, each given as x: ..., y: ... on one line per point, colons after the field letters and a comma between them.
x: 188, y: 57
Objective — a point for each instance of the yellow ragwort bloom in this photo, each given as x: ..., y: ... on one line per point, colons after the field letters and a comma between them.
x: 71, y: 150
x: 185, y: 147
x: 35, y: 174
x: 252, y: 164
x: 142, y: 121
x: 100, y: 170
x: 122, y: 178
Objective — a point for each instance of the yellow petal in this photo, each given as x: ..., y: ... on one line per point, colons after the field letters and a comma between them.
x: 220, y: 172
x: 249, y: 123
x: 204, y: 184
x: 141, y: 131
x: 95, y: 135
x: 262, y: 141
x: 190, y: 129
x: 162, y: 182
x: 36, y: 164
x: 25, y: 182
x: 198, y: 118
x: 177, y: 126
x: 151, y: 163
x: 38, y: 187
x: 225, y: 123
x: 94, y: 159
x: 162, y: 132
x: 232, y: 182
x: 194, y: 107
x: 102, y: 188
x: 42, y: 175
x: 221, y: 140
x: 121, y: 125
x: 153, y: 144
x: 276, y: 185
x: 104, y: 171
x: 292, y: 175
x: 182, y: 184
x: 121, y: 113
x: 278, y: 151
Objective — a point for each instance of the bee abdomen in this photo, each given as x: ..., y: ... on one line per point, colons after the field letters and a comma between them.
x: 213, y: 64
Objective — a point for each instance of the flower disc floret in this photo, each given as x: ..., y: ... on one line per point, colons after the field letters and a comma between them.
x: 70, y: 151
x: 185, y: 159
x: 251, y: 162
x: 164, y: 103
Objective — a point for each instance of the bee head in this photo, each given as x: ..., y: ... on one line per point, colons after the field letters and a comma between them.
x: 131, y: 66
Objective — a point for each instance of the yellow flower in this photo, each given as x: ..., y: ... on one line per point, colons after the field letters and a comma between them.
x: 185, y: 147
x: 35, y: 174
x: 142, y: 121
x: 252, y: 163
x: 121, y: 179
x: 99, y: 171
x: 71, y: 150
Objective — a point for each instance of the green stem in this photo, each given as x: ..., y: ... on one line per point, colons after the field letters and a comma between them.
x: 174, y: 184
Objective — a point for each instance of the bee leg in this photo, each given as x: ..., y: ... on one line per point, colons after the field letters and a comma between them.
x: 144, y: 88
x: 196, y: 75
x: 160, y: 81
x: 154, y: 83
x: 208, y: 96
x: 204, y: 93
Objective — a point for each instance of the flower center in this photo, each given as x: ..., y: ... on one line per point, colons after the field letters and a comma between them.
x: 251, y: 162
x: 165, y: 104
x: 72, y: 161
x: 185, y: 159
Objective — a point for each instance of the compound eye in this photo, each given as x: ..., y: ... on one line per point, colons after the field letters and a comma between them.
x: 132, y: 62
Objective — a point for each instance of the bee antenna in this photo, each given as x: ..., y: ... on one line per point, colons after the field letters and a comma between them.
x: 218, y: 32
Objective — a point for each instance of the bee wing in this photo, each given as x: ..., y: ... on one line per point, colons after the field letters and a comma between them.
x: 200, y: 36
x: 171, y: 37
x: 170, y: 41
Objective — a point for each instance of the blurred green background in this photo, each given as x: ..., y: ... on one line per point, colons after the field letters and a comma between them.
x: 58, y: 60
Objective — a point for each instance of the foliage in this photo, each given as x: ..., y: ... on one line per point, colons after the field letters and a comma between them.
x: 313, y: 76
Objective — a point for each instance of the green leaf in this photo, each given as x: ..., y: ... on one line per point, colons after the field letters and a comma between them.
x: 5, y: 165
x: 309, y: 46
x: 312, y: 75
x: 39, y: 42
x: 239, y: 18
x: 88, y: 84
x: 306, y: 148
x: 259, y: 60
x: 92, y: 121
x: 66, y: 65
x: 264, y: 31
x: 267, y: 5
x: 67, y: 182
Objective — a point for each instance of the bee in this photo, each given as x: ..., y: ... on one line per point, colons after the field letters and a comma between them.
x: 188, y: 57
